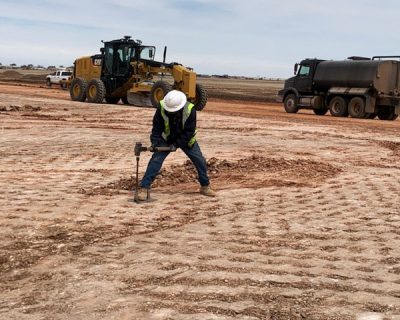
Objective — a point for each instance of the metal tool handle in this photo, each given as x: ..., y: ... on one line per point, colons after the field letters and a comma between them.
x: 136, y: 198
x: 170, y: 148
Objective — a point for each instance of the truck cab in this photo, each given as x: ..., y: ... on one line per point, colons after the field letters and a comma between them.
x: 302, y: 82
x: 298, y: 90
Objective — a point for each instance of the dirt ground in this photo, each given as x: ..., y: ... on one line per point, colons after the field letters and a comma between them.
x: 305, y: 224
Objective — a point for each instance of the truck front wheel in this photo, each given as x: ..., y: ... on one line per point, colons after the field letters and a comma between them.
x: 290, y: 103
x: 338, y: 107
x: 357, y: 108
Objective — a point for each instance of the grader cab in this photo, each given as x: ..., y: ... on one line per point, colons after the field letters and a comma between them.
x: 126, y: 70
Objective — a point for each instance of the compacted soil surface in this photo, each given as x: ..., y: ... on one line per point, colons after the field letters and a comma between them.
x: 305, y: 224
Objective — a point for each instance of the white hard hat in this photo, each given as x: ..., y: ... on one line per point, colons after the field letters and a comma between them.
x: 174, y: 101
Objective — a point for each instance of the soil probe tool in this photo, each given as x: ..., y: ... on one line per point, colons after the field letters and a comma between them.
x: 138, y: 149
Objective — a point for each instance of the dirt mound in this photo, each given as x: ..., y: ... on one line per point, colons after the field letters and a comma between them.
x: 34, y: 77
x: 252, y: 172
x: 10, y: 74
x: 244, y: 170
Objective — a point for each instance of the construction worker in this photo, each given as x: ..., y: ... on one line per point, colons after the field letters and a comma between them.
x: 174, y: 125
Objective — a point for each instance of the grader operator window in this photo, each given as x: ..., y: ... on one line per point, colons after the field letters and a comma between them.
x: 147, y: 53
x: 117, y: 59
x: 123, y: 59
x: 108, y: 58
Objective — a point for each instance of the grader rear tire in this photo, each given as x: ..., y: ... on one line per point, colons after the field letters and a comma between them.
x: 158, y: 92
x: 77, y: 90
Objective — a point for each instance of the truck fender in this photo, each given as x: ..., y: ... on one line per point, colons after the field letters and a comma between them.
x: 369, y: 103
x: 289, y: 91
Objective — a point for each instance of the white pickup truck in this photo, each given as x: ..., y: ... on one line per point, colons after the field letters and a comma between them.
x: 57, y: 76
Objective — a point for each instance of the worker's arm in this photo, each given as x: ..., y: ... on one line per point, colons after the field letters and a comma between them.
x: 158, y: 128
x: 188, y: 131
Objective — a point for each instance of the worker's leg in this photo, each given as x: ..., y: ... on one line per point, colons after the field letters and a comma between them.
x: 153, y: 168
x: 199, y: 162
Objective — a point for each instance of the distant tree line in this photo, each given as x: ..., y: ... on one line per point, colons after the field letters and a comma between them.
x: 32, y: 67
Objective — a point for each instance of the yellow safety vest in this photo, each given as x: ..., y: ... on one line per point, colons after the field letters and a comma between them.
x: 187, y: 109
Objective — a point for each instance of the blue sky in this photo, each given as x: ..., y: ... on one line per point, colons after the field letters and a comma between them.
x: 253, y: 38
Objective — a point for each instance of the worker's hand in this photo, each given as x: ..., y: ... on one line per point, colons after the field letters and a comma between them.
x: 172, y: 147
x: 152, y: 148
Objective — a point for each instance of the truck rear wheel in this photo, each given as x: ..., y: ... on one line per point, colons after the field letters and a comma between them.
x: 290, y: 103
x: 387, y: 113
x: 356, y: 108
x: 338, y: 107
x: 77, y: 90
x: 95, y: 91
x: 158, y: 92
x: 201, y: 97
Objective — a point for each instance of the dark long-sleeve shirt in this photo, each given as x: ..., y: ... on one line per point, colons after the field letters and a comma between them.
x: 178, y: 136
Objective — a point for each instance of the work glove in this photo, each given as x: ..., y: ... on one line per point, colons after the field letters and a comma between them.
x: 172, y: 147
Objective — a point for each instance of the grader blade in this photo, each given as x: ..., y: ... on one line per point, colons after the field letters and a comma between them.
x: 139, y: 99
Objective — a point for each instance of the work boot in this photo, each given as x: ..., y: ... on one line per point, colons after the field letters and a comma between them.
x: 207, y: 191
x: 142, y: 194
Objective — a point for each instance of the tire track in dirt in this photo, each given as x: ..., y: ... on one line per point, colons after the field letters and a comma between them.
x: 322, y: 248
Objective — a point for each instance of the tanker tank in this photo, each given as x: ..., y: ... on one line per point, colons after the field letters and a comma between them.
x: 381, y: 76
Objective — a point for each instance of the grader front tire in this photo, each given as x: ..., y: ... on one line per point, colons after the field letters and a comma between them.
x: 201, y: 98
x: 158, y: 92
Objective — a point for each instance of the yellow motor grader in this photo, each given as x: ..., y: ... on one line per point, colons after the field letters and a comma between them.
x: 125, y: 70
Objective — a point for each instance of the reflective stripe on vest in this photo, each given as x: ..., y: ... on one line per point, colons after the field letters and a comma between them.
x: 187, y: 109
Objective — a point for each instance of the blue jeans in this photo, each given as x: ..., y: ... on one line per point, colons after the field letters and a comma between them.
x: 156, y: 161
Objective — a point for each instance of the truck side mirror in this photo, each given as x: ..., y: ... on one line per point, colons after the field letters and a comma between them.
x: 295, y: 68
x: 151, y: 53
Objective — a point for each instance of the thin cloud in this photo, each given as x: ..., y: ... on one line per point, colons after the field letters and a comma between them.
x: 251, y: 37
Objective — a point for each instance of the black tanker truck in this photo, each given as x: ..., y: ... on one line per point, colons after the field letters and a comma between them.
x: 359, y: 87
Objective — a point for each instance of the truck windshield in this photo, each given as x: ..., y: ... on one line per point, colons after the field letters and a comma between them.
x: 304, y: 70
